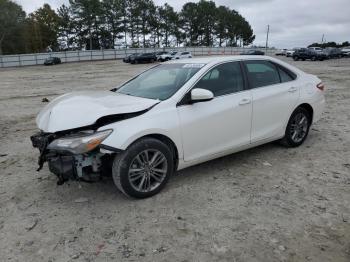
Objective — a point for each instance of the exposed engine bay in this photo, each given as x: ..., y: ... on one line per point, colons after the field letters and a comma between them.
x: 66, y: 165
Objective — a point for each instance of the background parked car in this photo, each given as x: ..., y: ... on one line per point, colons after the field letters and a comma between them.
x: 181, y: 55
x: 346, y: 51
x: 159, y: 54
x: 167, y: 56
x: 308, y: 54
x: 316, y: 48
x: 281, y: 52
x: 290, y: 52
x: 128, y: 57
x: 332, y: 52
x: 143, y: 58
x: 252, y: 52
x: 52, y: 61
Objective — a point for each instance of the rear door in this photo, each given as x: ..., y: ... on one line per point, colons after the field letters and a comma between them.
x: 275, y: 93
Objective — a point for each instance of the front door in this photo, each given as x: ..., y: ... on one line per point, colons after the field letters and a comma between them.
x: 220, y: 124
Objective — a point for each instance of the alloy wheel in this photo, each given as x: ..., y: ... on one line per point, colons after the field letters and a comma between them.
x: 148, y: 170
x: 299, y: 127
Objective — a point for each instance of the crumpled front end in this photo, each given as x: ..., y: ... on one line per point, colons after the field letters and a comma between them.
x: 78, y: 156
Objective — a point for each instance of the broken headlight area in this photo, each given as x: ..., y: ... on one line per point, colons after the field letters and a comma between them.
x: 74, y: 156
x: 79, y: 143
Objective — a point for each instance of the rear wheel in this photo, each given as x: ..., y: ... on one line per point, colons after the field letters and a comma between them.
x: 297, y: 128
x: 143, y: 169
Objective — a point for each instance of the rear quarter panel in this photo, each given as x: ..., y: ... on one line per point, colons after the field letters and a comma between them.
x: 310, y: 94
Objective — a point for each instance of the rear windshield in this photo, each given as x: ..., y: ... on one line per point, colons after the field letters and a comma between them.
x: 160, y: 82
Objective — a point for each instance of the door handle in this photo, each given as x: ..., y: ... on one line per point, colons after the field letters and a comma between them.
x: 245, y: 101
x: 292, y: 89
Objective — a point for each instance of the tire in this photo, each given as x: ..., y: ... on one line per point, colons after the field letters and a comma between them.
x: 134, y: 183
x: 293, y: 137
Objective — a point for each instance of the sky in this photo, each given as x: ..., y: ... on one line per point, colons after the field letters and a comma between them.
x: 296, y: 23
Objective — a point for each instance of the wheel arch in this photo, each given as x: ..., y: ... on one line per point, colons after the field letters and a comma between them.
x: 308, y: 108
x: 166, y: 140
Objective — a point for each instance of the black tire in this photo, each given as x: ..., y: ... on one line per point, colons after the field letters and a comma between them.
x: 288, y: 139
x: 122, y: 165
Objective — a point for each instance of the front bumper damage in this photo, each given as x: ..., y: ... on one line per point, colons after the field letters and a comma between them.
x: 66, y: 166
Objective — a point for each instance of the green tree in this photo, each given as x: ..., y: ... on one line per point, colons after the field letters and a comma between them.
x: 113, y: 18
x: 168, y: 22
x: 66, y: 27
x: 189, y: 17
x: 45, y: 24
x: 87, y: 15
x: 12, y: 18
x: 146, y: 10
x: 223, y: 14
x: 206, y: 21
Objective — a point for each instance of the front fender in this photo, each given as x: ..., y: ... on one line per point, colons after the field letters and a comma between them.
x: 126, y: 132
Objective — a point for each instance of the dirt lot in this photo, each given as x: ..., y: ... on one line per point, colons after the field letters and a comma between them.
x: 265, y: 204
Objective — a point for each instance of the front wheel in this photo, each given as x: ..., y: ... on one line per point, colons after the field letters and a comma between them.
x: 143, y: 169
x: 297, y: 128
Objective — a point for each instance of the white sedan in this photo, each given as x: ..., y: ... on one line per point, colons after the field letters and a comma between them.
x: 176, y: 115
x: 182, y: 55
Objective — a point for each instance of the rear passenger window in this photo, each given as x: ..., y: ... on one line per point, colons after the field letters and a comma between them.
x: 285, y: 77
x: 262, y: 73
x: 223, y: 79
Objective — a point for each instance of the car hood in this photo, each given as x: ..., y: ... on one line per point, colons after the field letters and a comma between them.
x: 79, y: 109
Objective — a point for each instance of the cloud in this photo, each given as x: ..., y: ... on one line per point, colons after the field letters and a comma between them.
x: 294, y: 23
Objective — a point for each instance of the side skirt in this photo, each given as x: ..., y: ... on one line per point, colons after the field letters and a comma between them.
x: 184, y: 164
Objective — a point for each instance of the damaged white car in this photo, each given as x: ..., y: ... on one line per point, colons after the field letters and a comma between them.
x: 176, y: 115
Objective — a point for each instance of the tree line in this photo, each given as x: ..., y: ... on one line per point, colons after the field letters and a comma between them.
x: 330, y: 44
x: 96, y: 24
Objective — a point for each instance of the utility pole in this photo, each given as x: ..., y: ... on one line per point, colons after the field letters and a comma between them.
x: 322, y: 39
x: 267, y: 38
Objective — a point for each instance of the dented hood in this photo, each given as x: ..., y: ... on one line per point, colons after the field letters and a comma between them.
x: 79, y: 109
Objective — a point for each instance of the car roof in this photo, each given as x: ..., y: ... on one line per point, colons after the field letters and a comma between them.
x: 213, y: 60
x: 218, y: 59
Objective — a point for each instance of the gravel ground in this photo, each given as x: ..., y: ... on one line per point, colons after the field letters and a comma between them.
x: 265, y: 204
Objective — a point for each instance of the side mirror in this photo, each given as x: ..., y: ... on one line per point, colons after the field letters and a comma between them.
x: 201, y: 95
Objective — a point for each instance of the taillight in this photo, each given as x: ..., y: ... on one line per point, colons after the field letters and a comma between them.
x: 320, y: 86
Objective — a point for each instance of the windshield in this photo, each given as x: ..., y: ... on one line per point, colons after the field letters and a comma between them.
x: 160, y: 82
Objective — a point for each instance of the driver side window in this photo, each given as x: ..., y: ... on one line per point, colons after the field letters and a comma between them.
x: 223, y: 79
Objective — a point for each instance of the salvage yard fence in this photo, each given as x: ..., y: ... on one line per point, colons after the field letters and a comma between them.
x: 109, y: 54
